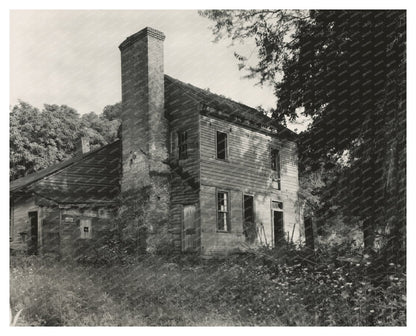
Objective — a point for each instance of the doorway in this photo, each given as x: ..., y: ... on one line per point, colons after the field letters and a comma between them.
x: 249, y: 227
x: 278, y: 228
x: 33, y: 242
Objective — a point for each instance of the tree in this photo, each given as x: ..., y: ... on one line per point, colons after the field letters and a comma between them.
x: 39, y: 139
x: 346, y: 69
x: 113, y: 112
x: 99, y: 129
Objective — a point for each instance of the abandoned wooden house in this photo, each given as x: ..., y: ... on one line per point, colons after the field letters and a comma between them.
x: 218, y: 175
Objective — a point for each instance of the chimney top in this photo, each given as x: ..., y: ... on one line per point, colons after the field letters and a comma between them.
x: 82, y: 146
x: 148, y: 31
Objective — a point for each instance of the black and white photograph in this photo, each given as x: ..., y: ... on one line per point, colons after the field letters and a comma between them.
x: 207, y: 167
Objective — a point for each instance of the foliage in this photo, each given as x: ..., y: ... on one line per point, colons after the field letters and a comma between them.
x: 113, y: 112
x: 54, y: 294
x: 133, y: 231
x: 345, y: 70
x: 39, y: 139
x: 270, y: 30
x: 269, y: 287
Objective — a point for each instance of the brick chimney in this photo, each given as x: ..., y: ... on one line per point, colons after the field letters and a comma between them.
x: 144, y: 127
x: 82, y: 146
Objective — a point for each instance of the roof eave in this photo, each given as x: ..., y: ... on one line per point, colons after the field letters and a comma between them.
x: 207, y: 110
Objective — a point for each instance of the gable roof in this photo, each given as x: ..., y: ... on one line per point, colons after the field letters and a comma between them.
x: 225, y: 108
x: 90, y: 177
x: 94, y: 176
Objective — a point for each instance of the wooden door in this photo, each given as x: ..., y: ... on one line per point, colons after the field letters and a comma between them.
x: 249, y: 226
x: 278, y: 228
x: 189, y: 228
x: 33, y: 243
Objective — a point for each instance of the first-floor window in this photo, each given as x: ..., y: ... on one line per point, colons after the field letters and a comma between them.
x: 86, y: 228
x: 223, y: 211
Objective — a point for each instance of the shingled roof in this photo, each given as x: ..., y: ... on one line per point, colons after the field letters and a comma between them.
x: 86, y: 178
x: 225, y: 108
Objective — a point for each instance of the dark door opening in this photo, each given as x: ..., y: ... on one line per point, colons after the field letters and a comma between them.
x: 33, y: 242
x: 249, y: 226
x: 278, y: 228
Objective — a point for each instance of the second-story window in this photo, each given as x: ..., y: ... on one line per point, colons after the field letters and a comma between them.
x: 275, y: 164
x: 221, y: 145
x: 183, y: 145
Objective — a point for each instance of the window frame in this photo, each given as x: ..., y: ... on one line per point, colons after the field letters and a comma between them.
x: 226, y: 145
x: 278, y: 202
x: 276, y: 161
x: 182, y: 145
x: 227, y: 212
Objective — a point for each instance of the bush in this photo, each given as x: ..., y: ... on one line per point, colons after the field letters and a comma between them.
x: 268, y: 287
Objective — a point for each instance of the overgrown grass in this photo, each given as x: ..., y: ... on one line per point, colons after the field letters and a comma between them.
x: 262, y: 288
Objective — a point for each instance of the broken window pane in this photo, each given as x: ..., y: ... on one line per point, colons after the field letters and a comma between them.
x: 221, y: 145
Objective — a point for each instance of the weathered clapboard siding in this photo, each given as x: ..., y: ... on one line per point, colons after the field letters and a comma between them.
x: 181, y: 194
x: 213, y: 242
x: 248, y: 163
x: 246, y: 171
x: 53, y: 236
x: 91, y: 178
x: 182, y: 113
x: 102, y: 225
x: 50, y: 230
x: 20, y: 227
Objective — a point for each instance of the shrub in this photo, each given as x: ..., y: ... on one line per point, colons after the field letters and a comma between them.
x: 267, y: 287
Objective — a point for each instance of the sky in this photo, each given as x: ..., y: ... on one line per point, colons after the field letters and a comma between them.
x: 71, y: 57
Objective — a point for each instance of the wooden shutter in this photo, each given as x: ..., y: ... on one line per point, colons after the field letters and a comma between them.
x: 189, y: 228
